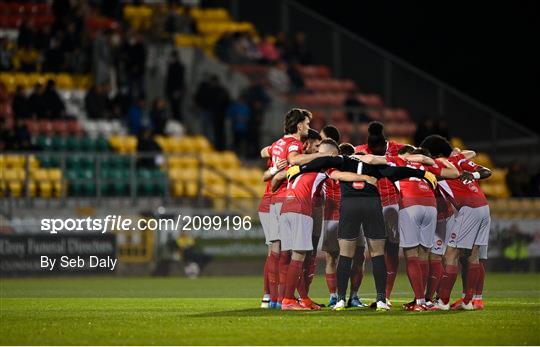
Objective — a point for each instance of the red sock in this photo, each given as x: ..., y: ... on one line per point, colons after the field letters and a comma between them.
x: 265, y: 274
x: 294, y: 272
x: 473, y: 273
x: 331, y: 282
x: 310, y: 265
x: 424, y: 266
x: 481, y: 277
x: 447, y: 282
x: 273, y: 275
x: 284, y: 260
x: 414, y: 272
x: 391, y: 259
x: 436, y: 271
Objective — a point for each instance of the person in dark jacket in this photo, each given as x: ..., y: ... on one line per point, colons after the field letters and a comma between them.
x: 174, y: 85
x: 54, y: 106
x: 213, y: 99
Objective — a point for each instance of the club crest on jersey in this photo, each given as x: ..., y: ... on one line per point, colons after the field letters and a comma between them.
x: 473, y: 188
x: 359, y: 185
x: 453, y: 236
x: 423, y: 186
x: 439, y: 242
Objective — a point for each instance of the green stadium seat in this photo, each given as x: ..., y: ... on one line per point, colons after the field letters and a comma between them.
x: 59, y: 143
x: 101, y: 144
x: 73, y: 144
x: 87, y: 144
x: 44, y: 142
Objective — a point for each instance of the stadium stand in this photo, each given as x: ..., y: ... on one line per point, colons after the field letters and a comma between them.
x: 79, y: 156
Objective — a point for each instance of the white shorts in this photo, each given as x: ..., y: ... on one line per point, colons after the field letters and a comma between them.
x: 471, y: 227
x: 390, y: 215
x: 296, y: 230
x: 273, y: 224
x: 417, y: 226
x: 329, y: 236
x: 483, y: 252
x: 265, y: 219
x: 440, y: 238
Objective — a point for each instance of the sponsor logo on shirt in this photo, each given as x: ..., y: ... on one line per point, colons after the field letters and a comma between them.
x: 359, y: 185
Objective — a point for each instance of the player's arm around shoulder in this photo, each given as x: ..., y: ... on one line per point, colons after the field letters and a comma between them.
x: 352, y: 177
x: 277, y: 179
x: 272, y: 171
x: 296, y: 158
x: 448, y: 171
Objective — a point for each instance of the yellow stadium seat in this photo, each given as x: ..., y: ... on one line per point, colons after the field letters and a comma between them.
x: 177, y: 188
x: 64, y: 81
x: 15, y: 188
x: 39, y: 175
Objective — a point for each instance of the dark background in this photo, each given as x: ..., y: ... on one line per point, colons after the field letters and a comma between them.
x: 485, y: 49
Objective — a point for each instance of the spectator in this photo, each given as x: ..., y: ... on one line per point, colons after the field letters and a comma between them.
x: 299, y: 51
x: 95, y: 102
x: 258, y: 100
x: 101, y: 58
x: 36, y: 104
x: 135, y: 116
x: 243, y: 49
x: 174, y: 85
x: 223, y: 47
x: 213, y: 99
x: 54, y: 56
x: 26, y: 59
x: 240, y: 114
x: 26, y: 35
x: 269, y: 52
x: 356, y: 109
x: 282, y: 44
x: 179, y: 23
x: 158, y: 116
x: 22, y: 138
x: 6, y: 135
x: 77, y: 62
x: 19, y: 104
x: 517, y: 180
x: 54, y: 106
x: 279, y: 80
x: 71, y: 39
x: 6, y: 54
x: 135, y: 52
x: 297, y: 82
x: 146, y: 144
x: 41, y: 40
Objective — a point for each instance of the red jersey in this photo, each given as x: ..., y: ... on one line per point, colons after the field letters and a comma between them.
x: 264, y: 206
x: 415, y: 191
x: 459, y: 193
x: 332, y: 194
x: 387, y: 190
x: 281, y: 150
x: 302, y: 192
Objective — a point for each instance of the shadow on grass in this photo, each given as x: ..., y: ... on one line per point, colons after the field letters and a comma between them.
x: 257, y: 312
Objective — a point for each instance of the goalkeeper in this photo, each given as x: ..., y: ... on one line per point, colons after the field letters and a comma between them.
x: 360, y: 206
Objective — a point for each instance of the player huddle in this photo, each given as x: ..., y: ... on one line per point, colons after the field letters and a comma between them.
x: 380, y: 196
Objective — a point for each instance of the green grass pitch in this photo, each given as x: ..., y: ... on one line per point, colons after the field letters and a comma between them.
x: 224, y: 311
